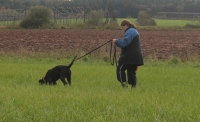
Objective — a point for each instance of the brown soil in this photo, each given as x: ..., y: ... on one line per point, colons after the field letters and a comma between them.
x: 160, y: 44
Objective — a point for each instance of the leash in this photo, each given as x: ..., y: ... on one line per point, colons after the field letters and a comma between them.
x: 113, y: 59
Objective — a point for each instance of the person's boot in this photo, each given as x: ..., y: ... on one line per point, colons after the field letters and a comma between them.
x: 133, y: 86
x: 124, y: 84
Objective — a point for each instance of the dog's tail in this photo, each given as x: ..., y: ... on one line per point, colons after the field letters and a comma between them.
x: 72, y: 62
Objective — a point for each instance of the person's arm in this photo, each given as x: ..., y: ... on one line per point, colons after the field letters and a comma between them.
x: 128, y: 37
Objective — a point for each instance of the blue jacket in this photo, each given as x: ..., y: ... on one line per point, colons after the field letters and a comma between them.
x: 131, y: 52
x: 128, y: 37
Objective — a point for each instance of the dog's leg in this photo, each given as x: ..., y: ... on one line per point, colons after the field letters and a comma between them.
x: 69, y: 78
x: 50, y: 83
x: 63, y: 80
x: 49, y: 80
x: 54, y: 83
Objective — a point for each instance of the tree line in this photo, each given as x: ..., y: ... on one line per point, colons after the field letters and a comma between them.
x: 119, y: 8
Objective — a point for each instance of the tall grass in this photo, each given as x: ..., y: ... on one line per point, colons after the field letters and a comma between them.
x: 166, y: 91
x: 164, y: 22
x: 174, y: 23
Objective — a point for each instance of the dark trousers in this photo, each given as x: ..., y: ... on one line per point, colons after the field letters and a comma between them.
x: 131, y: 73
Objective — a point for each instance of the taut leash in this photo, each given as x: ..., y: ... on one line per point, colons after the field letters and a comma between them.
x: 113, y: 59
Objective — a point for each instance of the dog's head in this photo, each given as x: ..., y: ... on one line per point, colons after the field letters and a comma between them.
x: 42, y: 81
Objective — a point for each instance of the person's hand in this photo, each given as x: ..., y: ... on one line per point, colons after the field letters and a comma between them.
x: 114, y: 40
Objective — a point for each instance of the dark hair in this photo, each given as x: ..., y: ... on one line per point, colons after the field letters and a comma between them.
x: 128, y: 23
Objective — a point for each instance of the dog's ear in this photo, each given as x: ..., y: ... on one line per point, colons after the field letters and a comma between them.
x: 40, y: 81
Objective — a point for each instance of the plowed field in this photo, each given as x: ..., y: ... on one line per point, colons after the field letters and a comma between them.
x: 160, y: 44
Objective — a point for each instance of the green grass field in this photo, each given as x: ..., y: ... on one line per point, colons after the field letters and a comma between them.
x: 165, y: 92
x: 160, y: 22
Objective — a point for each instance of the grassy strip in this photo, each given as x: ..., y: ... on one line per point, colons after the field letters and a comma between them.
x: 76, y: 23
x: 165, y: 23
x: 165, y: 92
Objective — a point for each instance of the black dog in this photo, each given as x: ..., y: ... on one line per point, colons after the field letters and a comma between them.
x: 58, y: 72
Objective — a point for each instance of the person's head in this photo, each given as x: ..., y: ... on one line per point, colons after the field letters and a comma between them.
x: 126, y: 23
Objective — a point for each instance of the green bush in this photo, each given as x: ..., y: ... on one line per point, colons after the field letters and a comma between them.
x: 174, y: 60
x: 95, y: 17
x: 112, y: 25
x: 145, y: 19
x: 152, y: 22
x: 37, y: 17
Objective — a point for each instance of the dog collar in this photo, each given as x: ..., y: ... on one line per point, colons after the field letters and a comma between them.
x: 43, y: 79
